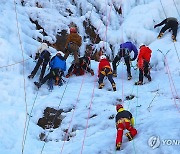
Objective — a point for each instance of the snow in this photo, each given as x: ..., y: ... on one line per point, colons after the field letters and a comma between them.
x: 96, y: 135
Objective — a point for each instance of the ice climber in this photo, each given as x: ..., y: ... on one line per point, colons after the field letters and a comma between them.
x: 124, y: 51
x: 104, y: 69
x: 124, y: 120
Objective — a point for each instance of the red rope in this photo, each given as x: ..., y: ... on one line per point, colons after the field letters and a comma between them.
x: 122, y: 72
x: 122, y: 86
x: 78, y: 94
x: 73, y: 114
x: 108, y: 20
x: 90, y: 105
x: 171, y: 83
x: 93, y: 95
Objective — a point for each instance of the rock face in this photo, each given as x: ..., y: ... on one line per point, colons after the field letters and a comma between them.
x: 61, y: 37
x: 51, y: 119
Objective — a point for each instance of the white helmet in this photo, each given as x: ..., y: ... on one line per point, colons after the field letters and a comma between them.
x: 142, y: 44
x: 103, y: 57
x: 44, y: 46
x: 61, y: 53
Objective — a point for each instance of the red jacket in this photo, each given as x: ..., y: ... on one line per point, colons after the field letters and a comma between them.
x: 144, y: 54
x: 102, y: 64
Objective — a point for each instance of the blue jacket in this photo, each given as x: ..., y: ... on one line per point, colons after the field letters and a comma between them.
x: 58, y: 62
x: 130, y: 47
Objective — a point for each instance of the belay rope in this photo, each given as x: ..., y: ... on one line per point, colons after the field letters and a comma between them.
x: 173, y: 42
x: 24, y: 81
x: 55, y: 115
x: 171, y: 82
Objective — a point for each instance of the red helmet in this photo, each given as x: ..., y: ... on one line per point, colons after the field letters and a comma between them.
x: 118, y: 106
x: 73, y: 30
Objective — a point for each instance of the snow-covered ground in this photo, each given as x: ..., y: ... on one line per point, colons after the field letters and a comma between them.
x: 156, y: 105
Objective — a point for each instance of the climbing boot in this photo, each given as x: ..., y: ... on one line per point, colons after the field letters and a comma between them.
x: 101, y: 85
x: 114, y: 74
x: 160, y: 35
x: 118, y: 146
x: 129, y: 136
x: 149, y: 78
x: 114, y: 86
x: 138, y: 83
x: 31, y: 76
x: 38, y: 85
x: 173, y: 38
x: 129, y: 77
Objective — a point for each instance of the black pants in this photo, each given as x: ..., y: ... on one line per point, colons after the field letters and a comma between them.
x: 106, y: 72
x: 52, y: 75
x: 144, y: 72
x: 173, y: 28
x: 44, y: 58
x: 127, y: 62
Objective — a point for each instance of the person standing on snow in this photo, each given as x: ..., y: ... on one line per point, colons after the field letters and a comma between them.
x: 58, y: 66
x: 43, y: 55
x: 124, y: 120
x: 171, y: 24
x: 125, y: 50
x: 72, y: 45
x: 143, y: 63
x: 104, y: 69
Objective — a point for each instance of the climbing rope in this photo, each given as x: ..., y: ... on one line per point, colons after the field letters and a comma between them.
x: 17, y: 25
x: 90, y: 106
x: 30, y: 115
x: 137, y: 102
x: 107, y: 24
x: 176, y: 8
x: 173, y: 42
x: 52, y: 124
x: 171, y: 82
x: 76, y: 102
x: 80, y: 89
x: 15, y: 63
x: 131, y: 91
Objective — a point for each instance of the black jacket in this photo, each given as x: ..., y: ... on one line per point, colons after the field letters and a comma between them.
x: 169, y: 21
x: 123, y: 114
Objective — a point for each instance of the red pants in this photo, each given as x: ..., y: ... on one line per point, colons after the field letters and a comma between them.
x: 121, y: 127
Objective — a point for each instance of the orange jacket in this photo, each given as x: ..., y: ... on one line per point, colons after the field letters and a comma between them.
x: 75, y: 38
x: 144, y: 55
x: 102, y: 64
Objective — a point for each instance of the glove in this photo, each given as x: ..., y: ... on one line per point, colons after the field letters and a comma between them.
x: 170, y: 30
x: 155, y: 26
